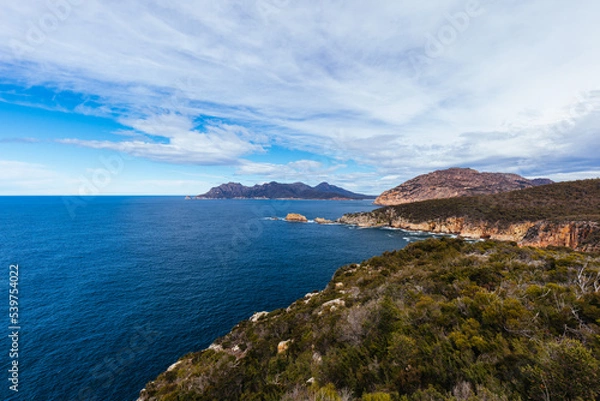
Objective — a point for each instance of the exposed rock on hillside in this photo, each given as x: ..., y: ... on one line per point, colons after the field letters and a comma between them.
x: 455, y: 182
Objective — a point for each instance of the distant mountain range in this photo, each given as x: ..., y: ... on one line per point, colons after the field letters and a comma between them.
x: 276, y: 190
x: 455, y: 182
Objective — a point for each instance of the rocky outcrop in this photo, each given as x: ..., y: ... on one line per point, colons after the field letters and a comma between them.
x: 295, y: 217
x: 578, y: 235
x: 321, y: 220
x: 455, y: 182
x: 283, y: 346
x: 257, y: 316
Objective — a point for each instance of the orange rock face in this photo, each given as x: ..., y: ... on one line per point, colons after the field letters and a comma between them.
x: 296, y: 217
x: 579, y: 235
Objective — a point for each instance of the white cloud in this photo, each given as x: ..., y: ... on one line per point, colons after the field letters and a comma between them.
x: 346, y: 79
x: 165, y: 187
x: 219, y: 144
x: 22, y: 178
x: 308, y: 170
x: 575, y: 176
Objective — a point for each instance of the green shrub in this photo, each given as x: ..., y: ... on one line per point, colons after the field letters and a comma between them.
x: 376, y: 397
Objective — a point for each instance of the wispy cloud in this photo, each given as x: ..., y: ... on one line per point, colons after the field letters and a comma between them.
x: 210, y: 83
x: 18, y: 177
x: 217, y: 145
x: 19, y: 140
x: 311, y: 169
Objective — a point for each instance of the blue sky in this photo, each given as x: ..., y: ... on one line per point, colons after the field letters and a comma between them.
x: 132, y: 97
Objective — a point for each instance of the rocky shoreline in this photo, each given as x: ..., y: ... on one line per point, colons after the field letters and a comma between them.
x: 578, y: 235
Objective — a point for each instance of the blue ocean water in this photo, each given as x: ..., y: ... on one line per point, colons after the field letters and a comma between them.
x: 115, y: 289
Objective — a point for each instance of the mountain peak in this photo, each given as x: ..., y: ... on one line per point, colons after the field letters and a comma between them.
x: 455, y: 182
x: 276, y: 190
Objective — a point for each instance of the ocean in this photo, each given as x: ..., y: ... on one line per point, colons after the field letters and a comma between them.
x: 113, y: 290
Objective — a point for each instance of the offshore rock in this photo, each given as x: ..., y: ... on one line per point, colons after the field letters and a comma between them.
x: 295, y: 217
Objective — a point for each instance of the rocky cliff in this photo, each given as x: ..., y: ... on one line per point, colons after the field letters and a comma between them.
x: 455, y: 182
x: 579, y: 235
x: 561, y: 214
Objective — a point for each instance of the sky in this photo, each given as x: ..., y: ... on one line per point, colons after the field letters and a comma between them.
x: 161, y: 97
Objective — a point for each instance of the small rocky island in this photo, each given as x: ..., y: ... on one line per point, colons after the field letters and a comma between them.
x: 296, y: 217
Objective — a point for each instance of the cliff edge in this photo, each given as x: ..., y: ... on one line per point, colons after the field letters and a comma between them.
x: 562, y: 214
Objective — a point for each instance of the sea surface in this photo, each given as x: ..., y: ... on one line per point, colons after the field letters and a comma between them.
x: 113, y: 290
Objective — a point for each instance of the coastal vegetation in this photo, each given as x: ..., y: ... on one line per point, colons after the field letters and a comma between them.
x: 441, y: 320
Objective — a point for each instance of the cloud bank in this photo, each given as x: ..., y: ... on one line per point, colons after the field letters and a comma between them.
x: 396, y: 87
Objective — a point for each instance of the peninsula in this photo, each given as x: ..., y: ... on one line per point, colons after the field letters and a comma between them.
x: 276, y: 190
x: 561, y: 214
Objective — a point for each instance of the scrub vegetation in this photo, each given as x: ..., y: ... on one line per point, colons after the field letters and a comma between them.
x: 442, y: 319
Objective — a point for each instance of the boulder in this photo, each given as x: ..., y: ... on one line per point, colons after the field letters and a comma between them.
x: 296, y: 217
x: 257, y: 316
x: 283, y: 346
